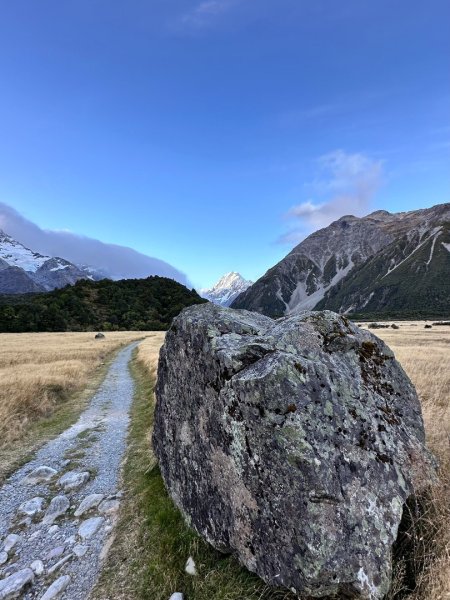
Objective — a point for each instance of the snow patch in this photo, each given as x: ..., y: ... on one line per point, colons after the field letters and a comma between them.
x: 226, y: 289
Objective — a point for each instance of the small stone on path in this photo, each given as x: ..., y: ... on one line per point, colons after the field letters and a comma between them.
x: 79, y: 550
x: 73, y: 480
x: 59, y: 564
x: 3, y: 558
x: 57, y: 588
x: 31, y: 507
x: 14, y: 585
x: 55, y: 553
x: 58, y: 506
x: 88, y: 503
x: 53, y: 529
x: 90, y: 527
x: 176, y: 596
x: 10, y: 542
x: 39, y: 475
x: 109, y: 507
x: 37, y: 566
x: 190, y: 566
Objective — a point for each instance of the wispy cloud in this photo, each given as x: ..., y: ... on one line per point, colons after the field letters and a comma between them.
x: 346, y: 184
x: 114, y: 261
x: 205, y: 14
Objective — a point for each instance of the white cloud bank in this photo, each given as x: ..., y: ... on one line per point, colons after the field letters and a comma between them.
x: 348, y: 182
x: 117, y: 262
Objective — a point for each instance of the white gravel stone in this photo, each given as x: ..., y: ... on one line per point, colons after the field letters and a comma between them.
x: 90, y: 527
x: 73, y: 480
x: 109, y: 507
x: 41, y: 474
x: 59, y: 564
x: 14, y: 585
x: 11, y: 542
x: 57, y: 588
x: 79, y: 550
x: 32, y: 507
x: 37, y: 566
x: 35, y: 534
x: 190, y: 566
x: 88, y: 503
x: 71, y: 540
x: 53, y: 529
x: 176, y: 596
x: 3, y: 558
x: 55, y: 553
x: 58, y: 506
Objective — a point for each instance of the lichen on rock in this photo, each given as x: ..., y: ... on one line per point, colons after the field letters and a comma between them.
x: 293, y: 444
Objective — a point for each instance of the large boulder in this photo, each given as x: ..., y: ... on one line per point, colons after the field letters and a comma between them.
x: 293, y: 444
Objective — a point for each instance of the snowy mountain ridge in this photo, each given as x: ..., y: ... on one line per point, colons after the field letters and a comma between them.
x: 24, y: 271
x: 226, y: 289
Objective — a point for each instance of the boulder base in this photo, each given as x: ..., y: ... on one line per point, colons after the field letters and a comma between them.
x: 293, y: 444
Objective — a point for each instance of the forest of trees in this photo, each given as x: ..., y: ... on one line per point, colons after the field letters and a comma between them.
x: 128, y: 304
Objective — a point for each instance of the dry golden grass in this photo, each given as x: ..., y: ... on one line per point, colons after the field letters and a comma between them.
x: 40, y: 371
x: 148, y: 351
x: 425, y: 356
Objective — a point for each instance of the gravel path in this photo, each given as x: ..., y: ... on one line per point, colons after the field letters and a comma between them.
x: 47, y: 543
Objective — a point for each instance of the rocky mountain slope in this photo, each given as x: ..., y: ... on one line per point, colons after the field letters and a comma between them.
x: 379, y: 263
x: 23, y: 271
x: 226, y: 289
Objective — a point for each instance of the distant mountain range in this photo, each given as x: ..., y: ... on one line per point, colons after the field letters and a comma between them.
x: 379, y: 264
x: 23, y: 271
x: 227, y: 289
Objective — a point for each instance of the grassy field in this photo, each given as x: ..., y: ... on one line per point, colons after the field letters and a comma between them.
x: 45, y: 380
x: 147, y: 560
x: 425, y: 356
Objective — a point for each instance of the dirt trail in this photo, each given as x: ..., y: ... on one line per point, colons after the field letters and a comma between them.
x: 49, y: 546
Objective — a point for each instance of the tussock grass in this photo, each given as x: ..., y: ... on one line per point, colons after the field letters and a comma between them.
x: 423, y: 558
x: 43, y: 377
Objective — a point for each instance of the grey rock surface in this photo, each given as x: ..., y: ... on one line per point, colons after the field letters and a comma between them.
x: 37, y: 566
x: 73, y: 480
x: 58, y: 506
x: 109, y: 506
x: 88, y: 503
x: 31, y: 507
x: 90, y: 527
x: 293, y: 444
x: 57, y: 588
x: 11, y: 542
x: 14, y: 585
x: 39, y: 475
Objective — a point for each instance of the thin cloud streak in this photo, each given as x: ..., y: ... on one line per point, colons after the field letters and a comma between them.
x: 116, y: 262
x: 349, y: 183
x: 205, y: 14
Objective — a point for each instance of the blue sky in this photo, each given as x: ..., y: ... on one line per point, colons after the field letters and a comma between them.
x: 215, y: 134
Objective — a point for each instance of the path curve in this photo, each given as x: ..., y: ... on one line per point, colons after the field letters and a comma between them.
x: 95, y: 446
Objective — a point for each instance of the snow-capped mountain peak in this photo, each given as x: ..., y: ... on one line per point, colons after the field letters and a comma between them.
x: 226, y: 289
x: 24, y: 271
x: 16, y: 255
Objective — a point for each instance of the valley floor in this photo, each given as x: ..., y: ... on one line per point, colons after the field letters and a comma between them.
x: 150, y: 544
